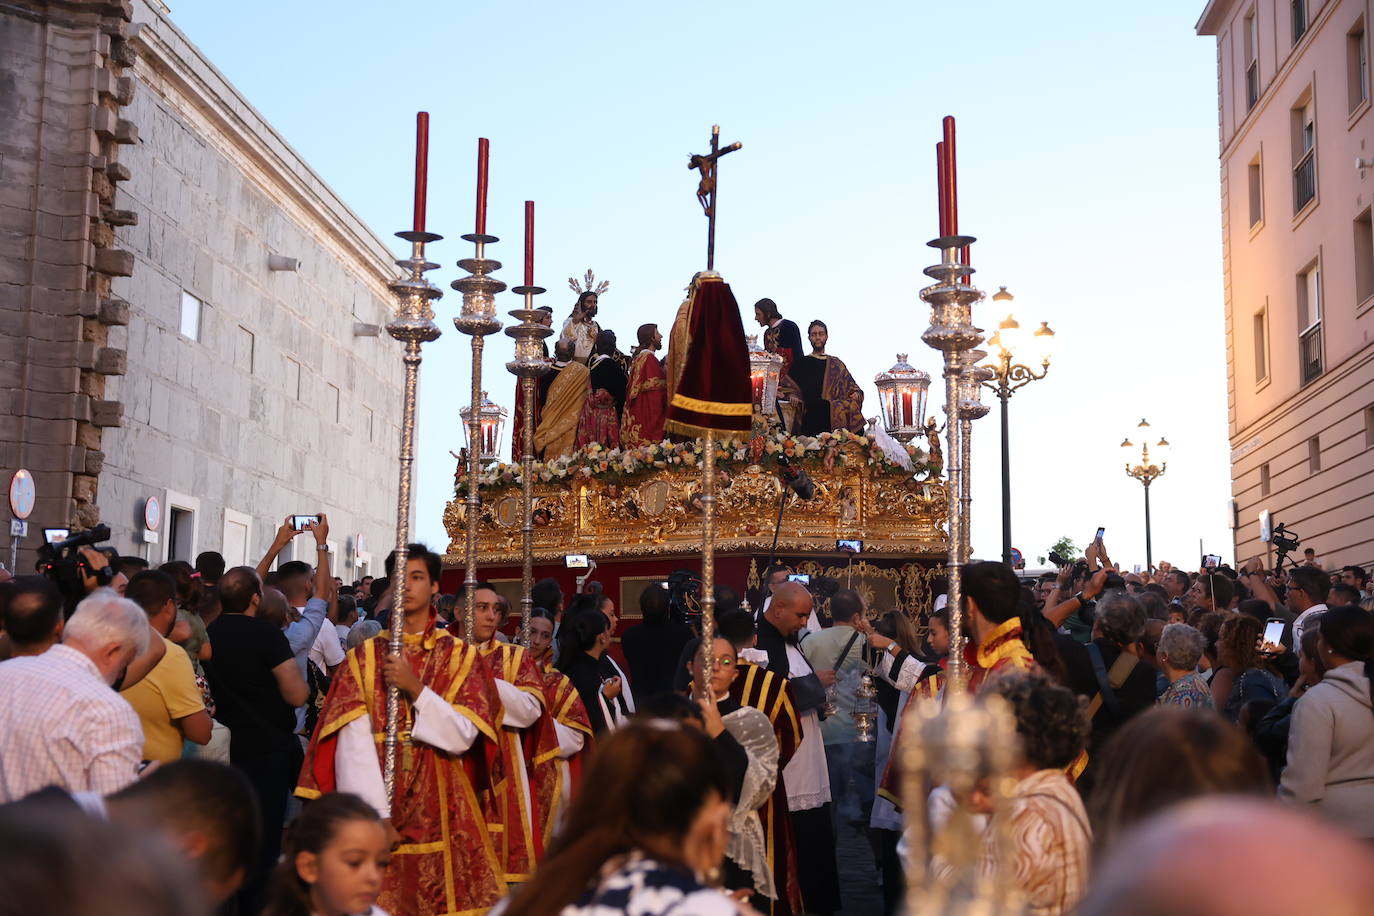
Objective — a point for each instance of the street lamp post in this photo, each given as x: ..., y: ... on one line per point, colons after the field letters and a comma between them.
x: 1007, y: 377
x: 1147, y: 472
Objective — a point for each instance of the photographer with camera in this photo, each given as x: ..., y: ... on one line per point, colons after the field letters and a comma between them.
x: 1071, y: 603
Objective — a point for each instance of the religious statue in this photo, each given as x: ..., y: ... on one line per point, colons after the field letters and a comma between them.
x: 567, y: 393
x: 935, y: 458
x: 581, y: 328
x: 832, y: 399
x: 707, y: 186
x: 600, y: 420
x: 646, y: 401
x: 781, y: 336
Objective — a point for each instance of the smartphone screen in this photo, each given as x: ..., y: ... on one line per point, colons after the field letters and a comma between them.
x: 1273, y: 631
x: 1211, y: 561
x: 1100, y: 532
x: 799, y: 577
x: 851, y: 545
x: 576, y: 560
x: 299, y: 522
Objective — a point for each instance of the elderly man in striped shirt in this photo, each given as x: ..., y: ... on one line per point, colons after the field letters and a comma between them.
x: 62, y: 723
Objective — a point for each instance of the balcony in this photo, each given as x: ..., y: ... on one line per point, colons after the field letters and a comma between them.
x: 1304, y: 181
x: 1310, y: 352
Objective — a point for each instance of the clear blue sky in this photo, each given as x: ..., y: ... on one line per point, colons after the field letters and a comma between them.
x: 1088, y: 170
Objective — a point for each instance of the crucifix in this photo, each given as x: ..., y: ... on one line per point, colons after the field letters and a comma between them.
x: 706, y: 188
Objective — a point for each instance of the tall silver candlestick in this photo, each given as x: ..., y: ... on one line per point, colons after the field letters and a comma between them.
x: 477, y: 318
x: 413, y: 326
x: 953, y: 333
x: 529, y: 364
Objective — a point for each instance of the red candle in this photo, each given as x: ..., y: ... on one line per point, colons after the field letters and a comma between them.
x: 529, y: 243
x: 951, y: 177
x: 483, y: 149
x: 421, y: 168
x: 940, y: 188
x: 906, y: 408
x: 757, y: 385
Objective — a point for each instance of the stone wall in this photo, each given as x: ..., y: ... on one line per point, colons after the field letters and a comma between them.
x: 133, y: 176
x: 63, y: 85
x: 277, y: 408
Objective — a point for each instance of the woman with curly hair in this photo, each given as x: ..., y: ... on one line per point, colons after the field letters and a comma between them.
x: 1045, y: 826
x: 1244, y: 674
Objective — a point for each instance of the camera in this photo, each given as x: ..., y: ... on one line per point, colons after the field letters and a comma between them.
x: 684, y: 594
x: 61, y: 562
x: 1057, y: 560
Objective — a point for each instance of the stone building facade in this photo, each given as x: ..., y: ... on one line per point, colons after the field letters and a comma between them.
x: 189, y: 313
x: 1297, y: 185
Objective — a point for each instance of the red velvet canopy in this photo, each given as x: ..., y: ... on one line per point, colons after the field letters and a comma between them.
x: 713, y: 394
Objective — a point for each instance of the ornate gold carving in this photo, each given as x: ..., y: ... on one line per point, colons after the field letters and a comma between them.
x: 661, y: 516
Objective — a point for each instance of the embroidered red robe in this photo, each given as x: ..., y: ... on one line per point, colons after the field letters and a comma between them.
x: 514, y: 819
x: 446, y: 863
x: 646, y: 403
x: 554, y: 778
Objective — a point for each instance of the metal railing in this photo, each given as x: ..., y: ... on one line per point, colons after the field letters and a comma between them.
x: 1304, y: 180
x: 1310, y: 352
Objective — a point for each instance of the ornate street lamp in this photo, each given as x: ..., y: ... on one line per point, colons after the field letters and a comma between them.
x: 902, y: 396
x: 764, y: 370
x: 1146, y: 471
x: 491, y: 420
x: 1008, y: 375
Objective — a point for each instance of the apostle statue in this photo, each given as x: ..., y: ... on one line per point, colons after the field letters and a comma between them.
x: 781, y: 336
x: 833, y: 400
x: 580, y: 329
x: 567, y: 393
x: 600, y: 421
x: 646, y: 402
x: 517, y: 436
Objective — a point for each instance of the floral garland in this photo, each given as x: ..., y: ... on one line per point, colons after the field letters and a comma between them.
x: 618, y: 466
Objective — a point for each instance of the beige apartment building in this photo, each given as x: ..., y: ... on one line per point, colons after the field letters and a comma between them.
x: 1297, y: 185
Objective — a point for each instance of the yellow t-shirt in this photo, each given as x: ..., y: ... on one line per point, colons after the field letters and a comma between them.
x: 169, y: 692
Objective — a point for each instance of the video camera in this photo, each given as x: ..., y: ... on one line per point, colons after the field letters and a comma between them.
x: 684, y: 594
x: 1285, y: 542
x: 61, y: 561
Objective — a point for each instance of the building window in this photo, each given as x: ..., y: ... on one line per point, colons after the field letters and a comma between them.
x: 181, y: 529
x: 293, y: 378
x: 1252, y: 85
x: 371, y: 424
x: 1364, y: 256
x: 244, y: 346
x: 1299, y: 19
x: 1261, y: 334
x: 333, y: 402
x: 1310, y: 322
x: 190, y: 316
x: 1356, y: 65
x: 1264, y: 479
x: 1369, y: 427
x: 1304, y: 155
x: 1256, y: 180
x: 1314, y: 454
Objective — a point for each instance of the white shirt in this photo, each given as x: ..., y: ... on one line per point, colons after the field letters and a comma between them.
x: 62, y: 725
x: 1300, y: 624
x: 327, y: 650
x: 807, y: 777
x: 358, y: 770
x: 625, y: 691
